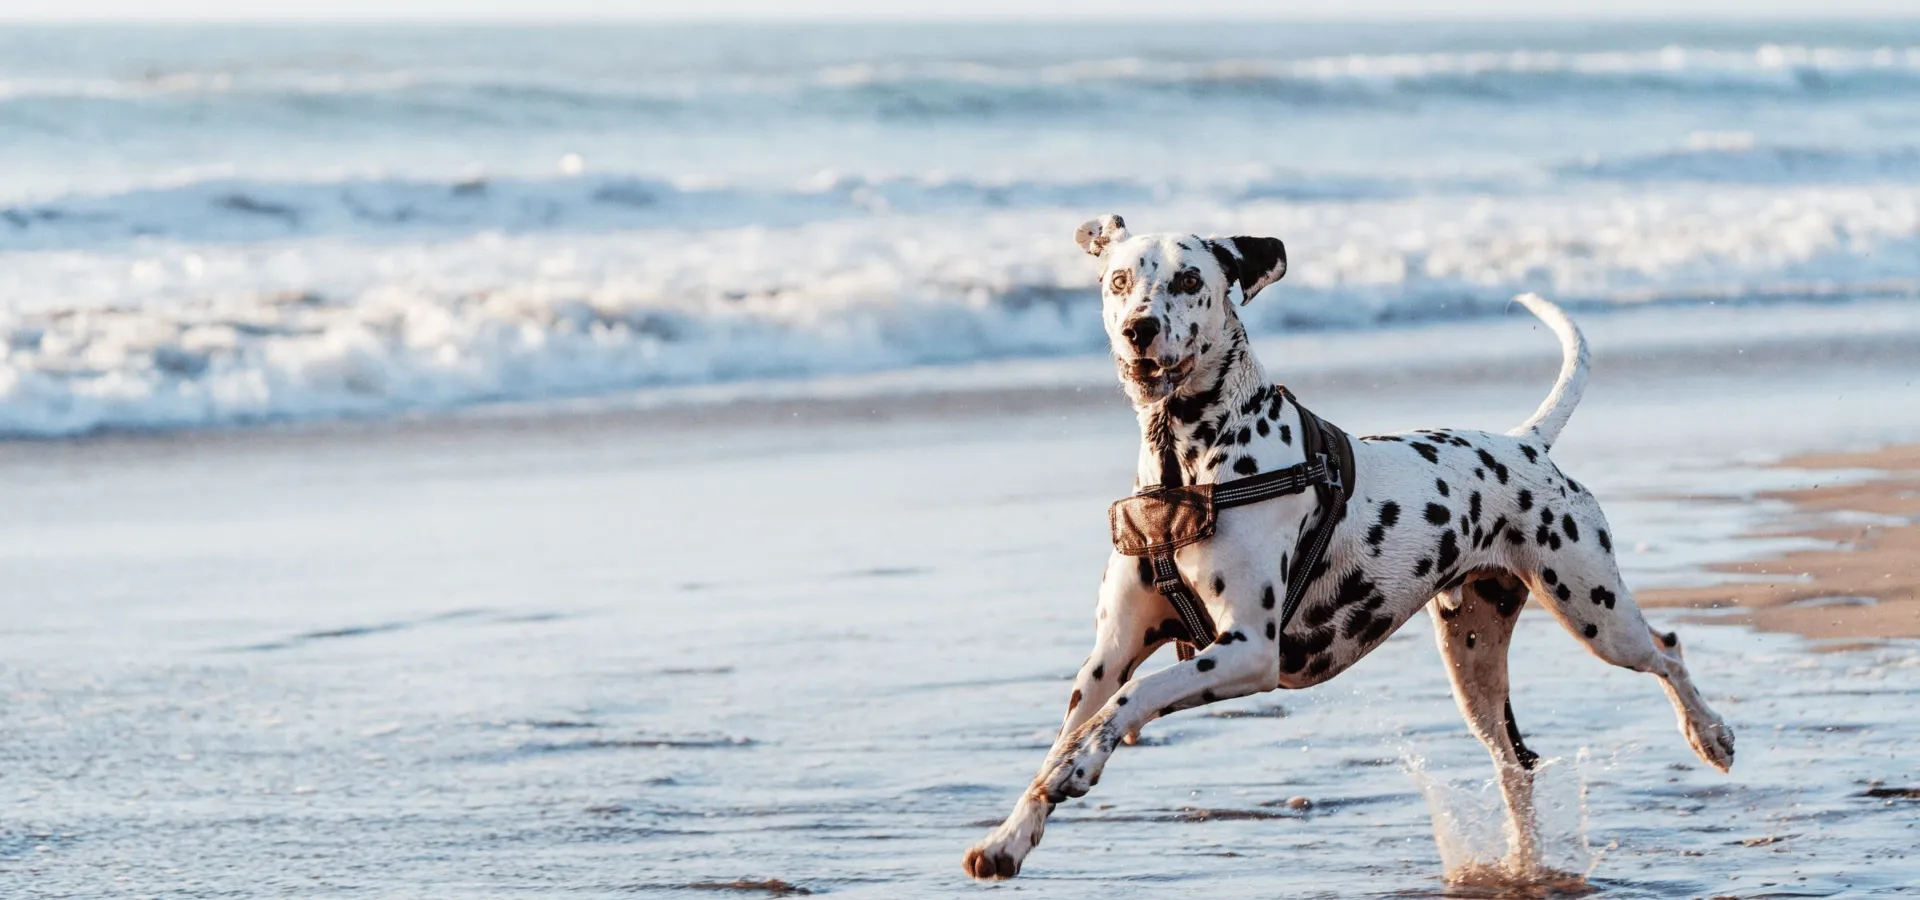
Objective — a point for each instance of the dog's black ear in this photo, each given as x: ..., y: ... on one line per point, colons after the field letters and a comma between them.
x: 1251, y: 263
x: 1094, y: 235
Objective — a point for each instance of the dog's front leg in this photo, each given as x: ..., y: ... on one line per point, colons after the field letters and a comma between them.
x: 1234, y: 666
x: 1130, y: 624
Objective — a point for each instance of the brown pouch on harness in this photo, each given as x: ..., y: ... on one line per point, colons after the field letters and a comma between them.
x: 1162, y: 520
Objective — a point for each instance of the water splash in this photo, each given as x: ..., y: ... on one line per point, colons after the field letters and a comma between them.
x: 1471, y: 830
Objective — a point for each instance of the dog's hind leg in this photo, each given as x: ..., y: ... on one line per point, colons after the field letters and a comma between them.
x: 1473, y: 625
x: 1133, y: 620
x: 1576, y: 578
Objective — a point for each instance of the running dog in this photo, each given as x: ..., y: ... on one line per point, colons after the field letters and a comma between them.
x: 1464, y: 523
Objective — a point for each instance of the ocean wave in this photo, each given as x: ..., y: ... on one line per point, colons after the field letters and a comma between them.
x: 229, y: 209
x: 959, y: 87
x: 1734, y: 157
x: 169, y: 334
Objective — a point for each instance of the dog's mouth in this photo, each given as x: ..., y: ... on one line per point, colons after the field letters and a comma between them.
x: 1153, y: 374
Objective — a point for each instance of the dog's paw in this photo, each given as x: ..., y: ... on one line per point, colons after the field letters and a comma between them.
x: 1000, y: 855
x: 1712, y: 740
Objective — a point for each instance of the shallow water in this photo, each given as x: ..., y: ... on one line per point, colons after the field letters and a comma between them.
x: 586, y: 657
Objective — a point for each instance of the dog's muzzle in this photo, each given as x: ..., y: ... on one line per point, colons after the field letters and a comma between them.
x: 1152, y: 373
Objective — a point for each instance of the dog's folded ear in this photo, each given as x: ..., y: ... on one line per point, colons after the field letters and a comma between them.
x: 1094, y: 235
x: 1251, y: 263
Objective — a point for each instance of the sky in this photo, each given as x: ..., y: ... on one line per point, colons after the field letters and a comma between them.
x: 655, y: 10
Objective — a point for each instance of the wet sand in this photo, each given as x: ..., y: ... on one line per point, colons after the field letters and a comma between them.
x: 1862, y: 588
x: 824, y: 646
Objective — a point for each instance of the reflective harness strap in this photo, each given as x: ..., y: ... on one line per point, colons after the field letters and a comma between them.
x: 1324, y: 473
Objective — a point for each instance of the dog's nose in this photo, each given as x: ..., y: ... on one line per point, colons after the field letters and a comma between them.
x: 1141, y: 332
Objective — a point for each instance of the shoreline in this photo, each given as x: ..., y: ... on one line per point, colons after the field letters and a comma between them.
x: 1860, y: 589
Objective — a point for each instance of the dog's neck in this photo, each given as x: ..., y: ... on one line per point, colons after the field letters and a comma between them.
x: 1196, y: 434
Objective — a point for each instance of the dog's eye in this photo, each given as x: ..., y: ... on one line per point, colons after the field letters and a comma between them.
x: 1186, y: 283
x: 1120, y: 281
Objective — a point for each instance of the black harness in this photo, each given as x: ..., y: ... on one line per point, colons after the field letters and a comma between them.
x: 1161, y: 519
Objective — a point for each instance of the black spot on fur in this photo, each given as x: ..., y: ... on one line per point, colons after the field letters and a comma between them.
x: 1261, y: 426
x: 1099, y: 671
x: 1506, y: 600
x: 1473, y: 506
x: 1531, y: 454
x: 1376, y: 534
x: 1169, y: 630
x: 1219, y: 585
x: 1516, y: 538
x: 1427, y: 451
x: 1389, y: 514
x: 1421, y: 568
x: 1564, y: 593
x: 1572, y: 530
x: 1441, y: 486
x: 1550, y: 576
x: 1204, y: 665
x: 1527, y: 758
x: 1207, y: 697
x: 1246, y: 465
x: 1498, y: 468
x: 1320, y: 666
x: 1553, y: 541
x: 1670, y: 639
x: 1189, y: 408
x: 1353, y: 589
x: 1272, y: 632
x: 1266, y: 598
x: 1245, y: 435
x: 1286, y: 435
x: 1449, y: 550
x: 1376, y: 631
x: 1318, y: 616
x: 1357, y: 621
x: 1526, y: 499
x: 1592, y: 630
x: 1606, y: 541
x: 1120, y: 702
x: 1540, y: 535
x: 1438, y: 514
x: 1602, y: 595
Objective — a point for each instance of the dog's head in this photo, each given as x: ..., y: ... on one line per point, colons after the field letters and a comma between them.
x: 1169, y: 298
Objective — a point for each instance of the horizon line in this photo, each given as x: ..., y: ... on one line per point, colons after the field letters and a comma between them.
x: 1383, y: 17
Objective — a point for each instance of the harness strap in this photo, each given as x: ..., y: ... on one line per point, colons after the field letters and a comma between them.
x: 1193, y: 614
x: 1328, y: 471
x: 1268, y: 485
x: 1334, y: 450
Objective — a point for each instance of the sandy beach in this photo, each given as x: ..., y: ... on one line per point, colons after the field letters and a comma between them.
x: 1862, y: 586
x: 637, y: 648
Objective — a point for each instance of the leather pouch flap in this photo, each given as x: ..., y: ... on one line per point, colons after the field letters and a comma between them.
x: 1162, y: 519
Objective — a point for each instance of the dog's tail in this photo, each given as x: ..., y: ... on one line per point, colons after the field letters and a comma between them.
x: 1558, y: 407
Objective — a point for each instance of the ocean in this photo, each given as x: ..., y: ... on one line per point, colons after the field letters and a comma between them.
x: 217, y: 226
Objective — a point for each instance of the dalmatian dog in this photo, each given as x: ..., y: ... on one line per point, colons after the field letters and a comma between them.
x: 1467, y: 524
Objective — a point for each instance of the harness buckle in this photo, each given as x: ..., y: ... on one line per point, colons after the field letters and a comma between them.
x: 1330, y: 473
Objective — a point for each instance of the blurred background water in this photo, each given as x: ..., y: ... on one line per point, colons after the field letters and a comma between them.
x: 218, y: 224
